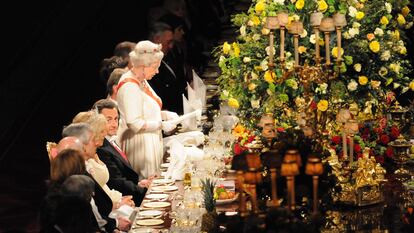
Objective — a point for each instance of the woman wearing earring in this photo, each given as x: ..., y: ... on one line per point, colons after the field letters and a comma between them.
x: 141, y: 117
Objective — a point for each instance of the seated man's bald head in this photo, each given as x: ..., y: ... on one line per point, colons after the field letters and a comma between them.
x: 69, y: 143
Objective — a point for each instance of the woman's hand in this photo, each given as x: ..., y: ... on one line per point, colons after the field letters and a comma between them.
x: 144, y: 183
x: 127, y: 200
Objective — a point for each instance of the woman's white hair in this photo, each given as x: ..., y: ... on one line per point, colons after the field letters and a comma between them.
x: 146, y: 53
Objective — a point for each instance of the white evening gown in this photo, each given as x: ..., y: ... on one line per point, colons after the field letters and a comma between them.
x: 143, y: 147
x: 100, y: 173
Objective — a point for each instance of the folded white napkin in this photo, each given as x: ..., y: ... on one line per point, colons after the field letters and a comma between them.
x: 123, y: 211
x: 199, y: 88
x: 193, y: 153
x: 188, y: 124
x: 177, y: 163
x: 195, y: 138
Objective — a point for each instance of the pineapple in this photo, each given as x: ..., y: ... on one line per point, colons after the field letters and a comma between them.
x: 209, y: 219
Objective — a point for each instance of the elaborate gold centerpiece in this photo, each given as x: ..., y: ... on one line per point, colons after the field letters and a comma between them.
x: 359, y: 186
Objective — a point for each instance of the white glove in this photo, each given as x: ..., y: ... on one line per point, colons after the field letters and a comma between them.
x: 198, y: 113
x: 152, y: 125
x: 167, y: 126
x: 167, y: 115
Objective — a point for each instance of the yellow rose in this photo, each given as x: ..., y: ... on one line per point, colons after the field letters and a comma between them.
x: 252, y: 86
x: 363, y: 80
x: 411, y: 85
x: 269, y: 76
x: 302, y: 49
x: 396, y: 34
x: 300, y: 4
x: 236, y: 49
x: 335, y: 51
x: 322, y: 6
x: 323, y: 105
x: 226, y: 48
x: 375, y: 84
x: 255, y: 20
x: 260, y: 6
x: 232, y: 102
x: 238, y: 130
x: 384, y: 20
x: 403, y: 51
x: 359, y: 15
x: 374, y: 46
x: 401, y: 19
x: 265, y: 31
x: 405, y: 11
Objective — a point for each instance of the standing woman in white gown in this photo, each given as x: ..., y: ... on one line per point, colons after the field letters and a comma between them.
x: 140, y: 126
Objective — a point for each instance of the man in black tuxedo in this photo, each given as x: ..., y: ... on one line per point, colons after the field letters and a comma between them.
x: 169, y: 83
x: 121, y: 175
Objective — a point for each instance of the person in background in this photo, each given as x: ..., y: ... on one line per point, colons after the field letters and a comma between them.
x: 122, y: 176
x: 141, y: 121
x: 169, y: 83
x: 113, y: 82
x: 108, y: 65
x: 123, y: 49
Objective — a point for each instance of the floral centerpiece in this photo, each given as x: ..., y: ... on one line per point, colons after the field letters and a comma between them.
x: 370, y: 69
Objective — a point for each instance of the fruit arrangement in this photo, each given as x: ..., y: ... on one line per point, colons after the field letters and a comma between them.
x: 221, y: 193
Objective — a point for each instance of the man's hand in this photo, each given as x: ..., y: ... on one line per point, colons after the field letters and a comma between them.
x: 144, y: 183
x: 127, y: 200
x: 124, y: 224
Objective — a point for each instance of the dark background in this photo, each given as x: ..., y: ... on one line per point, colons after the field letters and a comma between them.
x: 51, y: 54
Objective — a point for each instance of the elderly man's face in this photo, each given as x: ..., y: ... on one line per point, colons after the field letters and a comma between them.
x: 90, y: 148
x: 167, y: 41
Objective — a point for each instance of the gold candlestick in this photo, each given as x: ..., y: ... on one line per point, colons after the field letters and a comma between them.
x: 296, y: 44
x: 339, y: 45
x: 275, y: 201
x: 314, y: 168
x: 290, y: 169
x: 282, y: 44
x: 317, y: 52
x: 327, y: 52
x: 271, y: 49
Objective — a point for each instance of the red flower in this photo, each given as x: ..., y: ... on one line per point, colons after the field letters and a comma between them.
x: 357, y: 148
x: 313, y: 105
x: 238, y: 149
x: 336, y: 139
x: 365, y: 134
x: 379, y: 159
x: 378, y: 130
x: 280, y: 129
x: 395, y: 132
x: 250, y: 139
x: 389, y: 152
x: 384, y: 139
x: 359, y: 155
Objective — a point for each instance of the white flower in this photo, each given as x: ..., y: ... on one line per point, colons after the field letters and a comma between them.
x: 312, y: 39
x: 263, y: 64
x: 379, y: 32
x: 250, y: 23
x: 269, y: 92
x: 288, y: 54
x: 357, y: 67
x: 267, y: 49
x: 385, y: 56
x: 255, y: 103
x: 226, y: 93
x: 246, y: 59
x: 353, y: 32
x: 254, y: 75
x: 346, y: 35
x: 289, y: 65
x: 295, y: 17
x: 353, y: 85
x: 243, y: 30
x: 281, y: 2
x: 323, y: 87
x: 256, y: 37
x: 352, y: 11
x: 304, y: 33
x: 388, y: 7
x: 409, y: 25
x: 299, y: 101
x: 356, y: 25
x: 395, y: 67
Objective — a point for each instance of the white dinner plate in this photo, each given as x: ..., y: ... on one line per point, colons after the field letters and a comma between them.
x: 158, y: 204
x: 157, y: 196
x: 150, y: 213
x: 149, y: 222
x: 162, y: 181
x: 168, y: 188
x: 165, y: 165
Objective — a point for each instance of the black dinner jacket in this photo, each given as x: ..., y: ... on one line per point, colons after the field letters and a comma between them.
x: 121, y: 175
x: 169, y: 88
